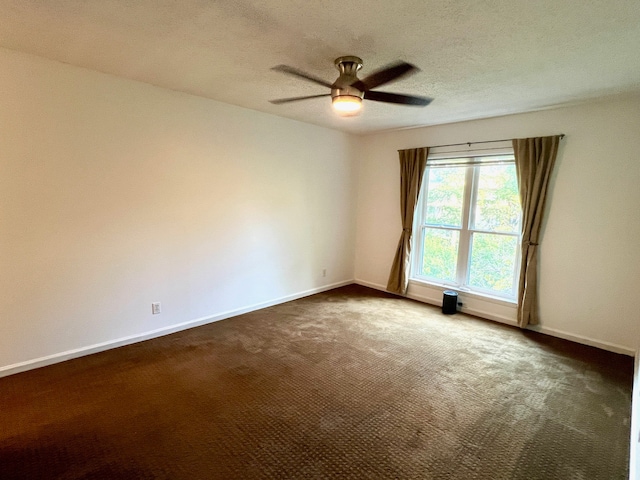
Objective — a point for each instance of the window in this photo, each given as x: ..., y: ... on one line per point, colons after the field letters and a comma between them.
x: 467, y: 227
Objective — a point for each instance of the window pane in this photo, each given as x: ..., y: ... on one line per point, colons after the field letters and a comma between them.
x: 497, y: 206
x: 492, y: 262
x: 444, y: 196
x: 440, y: 253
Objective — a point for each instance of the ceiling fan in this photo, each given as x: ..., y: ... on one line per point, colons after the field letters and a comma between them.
x: 348, y: 91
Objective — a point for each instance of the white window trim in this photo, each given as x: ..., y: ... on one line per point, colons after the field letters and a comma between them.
x: 463, y: 247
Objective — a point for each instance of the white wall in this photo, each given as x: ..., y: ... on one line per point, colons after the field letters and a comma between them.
x: 589, y: 255
x: 115, y: 194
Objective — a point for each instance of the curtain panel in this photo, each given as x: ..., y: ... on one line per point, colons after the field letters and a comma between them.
x: 535, y: 158
x: 412, y: 166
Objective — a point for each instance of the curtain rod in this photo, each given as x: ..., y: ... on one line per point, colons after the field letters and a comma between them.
x: 475, y: 143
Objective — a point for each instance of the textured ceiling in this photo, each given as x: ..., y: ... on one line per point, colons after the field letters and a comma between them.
x: 478, y: 58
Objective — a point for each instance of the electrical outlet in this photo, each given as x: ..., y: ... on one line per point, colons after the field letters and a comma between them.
x: 155, y: 308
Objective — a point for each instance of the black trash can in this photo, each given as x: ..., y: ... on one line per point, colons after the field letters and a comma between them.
x: 449, y: 302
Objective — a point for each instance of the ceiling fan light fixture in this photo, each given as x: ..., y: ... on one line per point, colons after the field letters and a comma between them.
x: 347, y: 105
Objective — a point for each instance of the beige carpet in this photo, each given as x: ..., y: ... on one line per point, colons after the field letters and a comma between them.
x: 347, y: 384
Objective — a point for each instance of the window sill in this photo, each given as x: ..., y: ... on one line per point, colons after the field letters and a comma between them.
x: 475, y: 295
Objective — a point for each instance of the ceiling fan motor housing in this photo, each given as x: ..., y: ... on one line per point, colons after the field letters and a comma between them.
x: 348, y: 68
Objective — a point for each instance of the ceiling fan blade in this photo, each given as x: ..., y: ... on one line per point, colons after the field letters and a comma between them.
x: 397, y: 98
x: 295, y: 99
x: 388, y: 74
x: 300, y: 74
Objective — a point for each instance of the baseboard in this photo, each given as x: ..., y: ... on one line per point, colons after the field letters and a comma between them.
x: 100, y: 347
x: 471, y: 311
x: 634, y: 451
x: 611, y: 347
x: 438, y: 303
x: 375, y: 286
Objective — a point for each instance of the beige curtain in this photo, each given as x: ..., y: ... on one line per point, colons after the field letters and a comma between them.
x: 534, y: 161
x: 412, y: 165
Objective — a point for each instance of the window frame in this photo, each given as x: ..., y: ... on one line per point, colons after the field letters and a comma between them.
x: 472, y: 165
